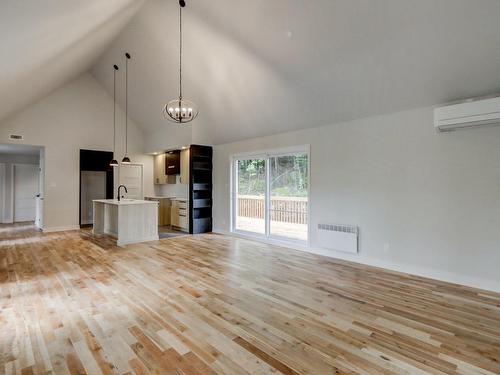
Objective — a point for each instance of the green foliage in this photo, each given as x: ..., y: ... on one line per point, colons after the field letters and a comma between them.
x: 289, y: 176
x: 252, y: 177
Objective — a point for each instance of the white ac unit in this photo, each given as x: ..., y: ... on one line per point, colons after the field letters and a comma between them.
x: 469, y: 114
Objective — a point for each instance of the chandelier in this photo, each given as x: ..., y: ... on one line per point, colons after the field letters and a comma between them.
x: 180, y: 110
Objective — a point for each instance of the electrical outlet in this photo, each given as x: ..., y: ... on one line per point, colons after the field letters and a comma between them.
x: 387, y: 248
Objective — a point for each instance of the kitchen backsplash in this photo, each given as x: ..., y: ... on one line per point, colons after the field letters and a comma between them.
x: 172, y: 190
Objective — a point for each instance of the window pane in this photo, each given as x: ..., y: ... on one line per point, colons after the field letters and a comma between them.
x: 250, y: 195
x: 289, y: 196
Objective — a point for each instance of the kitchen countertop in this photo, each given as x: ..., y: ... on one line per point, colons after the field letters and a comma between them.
x: 171, y: 198
x: 179, y: 199
x: 123, y: 202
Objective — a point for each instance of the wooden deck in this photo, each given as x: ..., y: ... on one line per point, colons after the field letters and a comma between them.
x: 211, y: 304
x: 292, y: 231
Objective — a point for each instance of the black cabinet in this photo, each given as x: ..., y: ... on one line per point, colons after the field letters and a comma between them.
x: 200, y: 189
x: 173, y: 163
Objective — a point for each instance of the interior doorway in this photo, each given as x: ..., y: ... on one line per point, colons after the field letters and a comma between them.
x: 21, y: 184
x: 96, y: 182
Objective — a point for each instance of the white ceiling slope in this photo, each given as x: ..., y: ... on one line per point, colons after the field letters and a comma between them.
x: 261, y: 67
x: 46, y: 43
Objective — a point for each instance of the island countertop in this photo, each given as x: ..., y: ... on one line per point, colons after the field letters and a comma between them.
x: 123, y: 202
x: 128, y: 220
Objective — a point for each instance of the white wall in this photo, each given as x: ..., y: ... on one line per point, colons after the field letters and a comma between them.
x: 425, y: 203
x: 168, y: 137
x: 77, y: 116
x: 6, y: 214
x: 2, y: 191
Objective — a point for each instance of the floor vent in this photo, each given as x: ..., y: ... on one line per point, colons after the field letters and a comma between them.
x: 16, y: 137
x: 338, y: 237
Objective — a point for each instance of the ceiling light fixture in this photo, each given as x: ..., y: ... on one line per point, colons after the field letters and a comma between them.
x: 126, y: 159
x: 180, y: 110
x: 114, y: 162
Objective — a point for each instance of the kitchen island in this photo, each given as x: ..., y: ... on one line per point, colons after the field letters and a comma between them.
x: 128, y: 220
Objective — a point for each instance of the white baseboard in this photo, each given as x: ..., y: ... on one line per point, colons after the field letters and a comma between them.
x: 60, y: 229
x: 431, y: 273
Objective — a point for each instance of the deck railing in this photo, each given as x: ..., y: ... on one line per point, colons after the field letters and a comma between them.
x: 284, y: 209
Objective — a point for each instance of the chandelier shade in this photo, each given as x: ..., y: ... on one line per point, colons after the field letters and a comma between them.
x: 180, y: 110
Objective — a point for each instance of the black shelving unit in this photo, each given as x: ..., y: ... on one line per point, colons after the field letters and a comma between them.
x: 200, y: 189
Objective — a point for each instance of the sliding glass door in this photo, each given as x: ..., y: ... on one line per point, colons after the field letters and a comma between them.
x: 289, y: 180
x: 250, y: 187
x: 271, y: 195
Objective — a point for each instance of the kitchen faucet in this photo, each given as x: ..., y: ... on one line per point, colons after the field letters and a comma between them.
x: 119, y: 187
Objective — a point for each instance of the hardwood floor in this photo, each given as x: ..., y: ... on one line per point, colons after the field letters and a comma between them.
x: 212, y: 304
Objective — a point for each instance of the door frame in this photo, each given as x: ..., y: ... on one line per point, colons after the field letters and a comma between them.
x: 13, y: 187
x: 3, y: 188
x: 233, y: 183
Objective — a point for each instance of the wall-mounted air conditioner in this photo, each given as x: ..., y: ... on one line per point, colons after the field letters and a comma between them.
x: 469, y: 114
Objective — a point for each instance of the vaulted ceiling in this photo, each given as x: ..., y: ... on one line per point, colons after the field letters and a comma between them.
x: 260, y: 67
x: 46, y: 43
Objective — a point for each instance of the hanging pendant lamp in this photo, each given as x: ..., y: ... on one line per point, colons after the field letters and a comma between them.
x: 126, y: 159
x: 114, y: 162
x: 180, y: 110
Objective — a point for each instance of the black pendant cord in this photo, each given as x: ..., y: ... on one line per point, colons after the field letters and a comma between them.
x: 115, y: 68
x: 180, y: 49
x: 126, y: 103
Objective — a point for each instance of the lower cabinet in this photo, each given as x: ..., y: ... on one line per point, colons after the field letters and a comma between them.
x: 180, y: 214
x: 164, y: 206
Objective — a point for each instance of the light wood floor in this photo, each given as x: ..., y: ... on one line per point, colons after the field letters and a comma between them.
x: 217, y: 305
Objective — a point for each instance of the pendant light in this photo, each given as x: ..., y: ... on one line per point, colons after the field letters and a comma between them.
x: 114, y: 162
x: 180, y: 110
x: 126, y: 159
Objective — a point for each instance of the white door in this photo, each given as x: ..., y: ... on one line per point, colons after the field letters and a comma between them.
x: 39, y: 199
x: 25, y: 192
x: 131, y: 177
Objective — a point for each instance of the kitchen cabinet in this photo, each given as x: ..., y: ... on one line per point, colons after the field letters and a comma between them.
x: 172, y: 163
x: 160, y: 176
x: 164, y: 205
x: 184, y: 167
x: 180, y: 214
x: 200, y: 189
x: 159, y: 170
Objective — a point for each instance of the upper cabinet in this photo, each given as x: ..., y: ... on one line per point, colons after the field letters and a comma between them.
x: 170, y: 164
x: 184, y: 167
x: 173, y: 163
x: 160, y: 176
